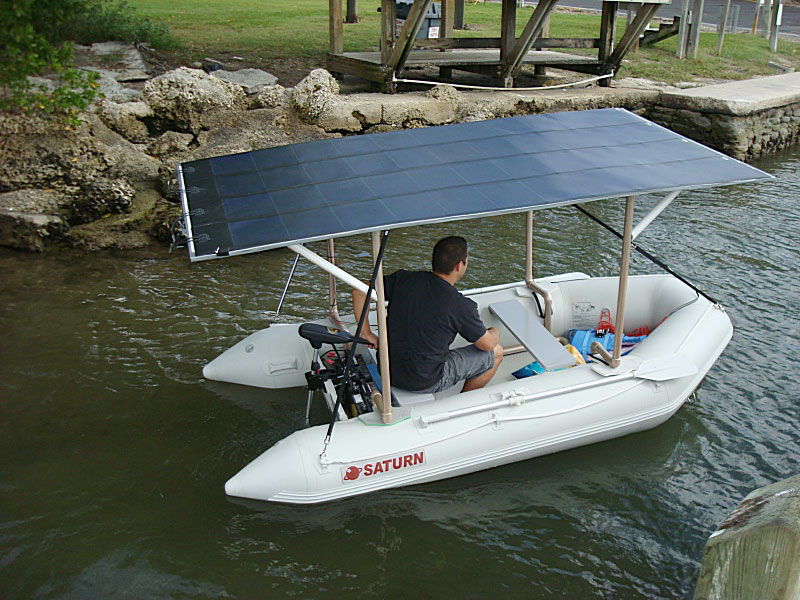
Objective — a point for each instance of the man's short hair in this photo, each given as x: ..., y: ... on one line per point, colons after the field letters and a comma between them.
x: 448, y: 252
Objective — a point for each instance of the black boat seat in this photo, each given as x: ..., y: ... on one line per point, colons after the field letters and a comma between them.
x: 525, y: 326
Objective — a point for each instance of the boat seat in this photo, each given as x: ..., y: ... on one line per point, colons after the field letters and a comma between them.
x: 524, y: 326
x: 400, y: 396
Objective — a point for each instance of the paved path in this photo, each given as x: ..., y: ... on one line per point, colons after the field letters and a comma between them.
x: 790, y: 27
x: 738, y: 97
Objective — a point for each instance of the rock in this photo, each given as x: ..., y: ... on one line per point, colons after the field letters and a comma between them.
x: 122, y: 53
x: 26, y: 231
x: 272, y: 96
x: 315, y: 94
x: 100, y: 198
x: 42, y: 83
x: 30, y: 217
x: 120, y: 158
x: 252, y: 81
x: 111, y: 89
x: 171, y: 142
x: 126, y: 118
x: 444, y: 92
x: 182, y: 98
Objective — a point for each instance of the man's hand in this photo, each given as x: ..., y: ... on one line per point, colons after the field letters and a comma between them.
x: 371, y: 338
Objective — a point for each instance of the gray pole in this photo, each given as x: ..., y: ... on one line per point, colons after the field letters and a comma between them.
x: 723, y: 21
x: 735, y: 20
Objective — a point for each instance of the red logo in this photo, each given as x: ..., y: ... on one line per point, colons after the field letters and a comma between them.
x: 387, y: 465
x: 352, y: 473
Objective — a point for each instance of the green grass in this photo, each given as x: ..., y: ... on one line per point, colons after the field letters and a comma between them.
x: 273, y: 30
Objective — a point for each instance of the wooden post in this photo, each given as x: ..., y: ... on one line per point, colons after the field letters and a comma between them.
x: 383, y: 338
x: 723, y: 21
x: 388, y: 12
x: 352, y: 11
x: 683, y: 30
x: 776, y: 13
x: 508, y: 24
x: 755, y: 552
x: 335, y: 27
x: 755, y: 17
x: 513, y: 61
x: 446, y: 28
x: 697, y: 21
x: 766, y: 19
x: 632, y: 34
x: 608, y: 33
x: 622, y: 292
x: 458, y: 17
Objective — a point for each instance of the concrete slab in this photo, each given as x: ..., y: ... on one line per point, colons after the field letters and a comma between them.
x: 738, y: 98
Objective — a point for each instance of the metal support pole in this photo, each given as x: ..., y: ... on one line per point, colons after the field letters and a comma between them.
x: 383, y: 338
x: 622, y: 293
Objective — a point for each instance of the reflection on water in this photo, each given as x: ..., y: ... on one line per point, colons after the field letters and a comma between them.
x: 115, y: 450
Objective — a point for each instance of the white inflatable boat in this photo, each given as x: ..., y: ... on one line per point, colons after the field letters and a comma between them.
x: 284, y: 197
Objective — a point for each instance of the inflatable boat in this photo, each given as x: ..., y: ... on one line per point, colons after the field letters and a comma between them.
x: 381, y: 436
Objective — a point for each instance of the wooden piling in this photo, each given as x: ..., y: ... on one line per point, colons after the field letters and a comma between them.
x: 755, y: 552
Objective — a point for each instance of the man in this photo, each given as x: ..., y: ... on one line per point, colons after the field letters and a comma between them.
x: 425, y: 314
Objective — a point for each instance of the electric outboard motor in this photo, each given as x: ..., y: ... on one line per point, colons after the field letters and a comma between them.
x: 354, y: 394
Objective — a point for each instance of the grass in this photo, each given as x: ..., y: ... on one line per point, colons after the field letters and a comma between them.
x: 272, y: 30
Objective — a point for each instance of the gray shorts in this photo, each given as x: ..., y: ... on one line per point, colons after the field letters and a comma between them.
x: 461, y: 364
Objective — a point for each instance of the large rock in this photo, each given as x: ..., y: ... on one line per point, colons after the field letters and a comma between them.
x: 315, y: 94
x: 127, y: 118
x: 252, y: 81
x: 183, y: 98
x: 111, y: 89
x: 29, y: 217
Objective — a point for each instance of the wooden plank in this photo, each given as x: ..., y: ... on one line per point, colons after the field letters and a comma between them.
x: 335, y: 27
x: 476, y: 57
x: 508, y: 24
x: 369, y: 70
x: 461, y: 43
x: 405, y: 41
x: 513, y: 62
x: 631, y: 36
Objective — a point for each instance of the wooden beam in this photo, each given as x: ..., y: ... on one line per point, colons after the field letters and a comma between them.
x: 513, y: 62
x: 352, y: 11
x: 335, y: 26
x: 405, y: 41
x: 631, y: 36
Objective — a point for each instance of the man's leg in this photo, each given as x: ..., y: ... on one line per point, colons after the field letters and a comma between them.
x: 482, y: 379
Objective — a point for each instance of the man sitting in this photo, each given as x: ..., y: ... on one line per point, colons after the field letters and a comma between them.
x: 425, y: 314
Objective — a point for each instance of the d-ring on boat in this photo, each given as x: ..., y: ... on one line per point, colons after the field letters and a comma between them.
x: 291, y: 195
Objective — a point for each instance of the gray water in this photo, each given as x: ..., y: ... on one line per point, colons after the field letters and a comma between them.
x: 114, y: 450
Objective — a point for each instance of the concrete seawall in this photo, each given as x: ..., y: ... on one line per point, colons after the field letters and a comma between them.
x: 744, y: 119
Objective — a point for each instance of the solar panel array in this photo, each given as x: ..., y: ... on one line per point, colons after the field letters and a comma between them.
x: 286, y: 195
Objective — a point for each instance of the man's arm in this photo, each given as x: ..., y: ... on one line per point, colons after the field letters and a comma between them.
x: 359, y: 300
x: 488, y: 340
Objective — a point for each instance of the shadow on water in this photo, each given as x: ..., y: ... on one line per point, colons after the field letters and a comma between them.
x: 115, y: 450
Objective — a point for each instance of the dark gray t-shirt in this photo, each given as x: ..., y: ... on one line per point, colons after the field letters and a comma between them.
x: 425, y: 314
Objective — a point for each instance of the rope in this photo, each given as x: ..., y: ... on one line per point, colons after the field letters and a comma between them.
x: 502, y: 89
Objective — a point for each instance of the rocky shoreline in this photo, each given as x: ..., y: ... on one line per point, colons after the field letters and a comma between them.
x: 109, y: 184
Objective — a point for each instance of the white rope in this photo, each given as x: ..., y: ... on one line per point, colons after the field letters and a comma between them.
x: 502, y: 89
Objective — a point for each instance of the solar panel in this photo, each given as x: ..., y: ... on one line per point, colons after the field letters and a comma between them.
x: 286, y: 195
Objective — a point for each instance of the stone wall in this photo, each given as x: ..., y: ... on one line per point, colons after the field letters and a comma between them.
x: 744, y: 137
